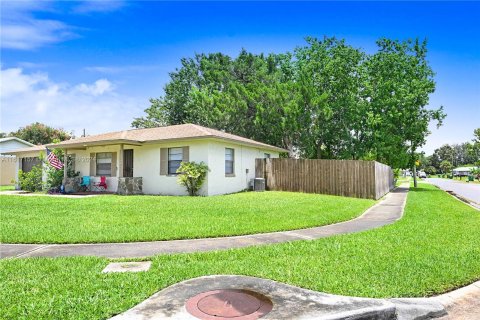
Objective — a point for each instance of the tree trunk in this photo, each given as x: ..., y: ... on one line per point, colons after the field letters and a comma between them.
x: 319, y: 151
x: 414, y: 175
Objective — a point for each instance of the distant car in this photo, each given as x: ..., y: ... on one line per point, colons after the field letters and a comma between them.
x: 422, y: 175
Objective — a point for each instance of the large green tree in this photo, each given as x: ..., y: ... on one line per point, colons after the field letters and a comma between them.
x: 330, y: 78
x: 255, y: 96
x: 327, y: 99
x: 400, y: 81
x: 39, y: 133
x: 474, y: 147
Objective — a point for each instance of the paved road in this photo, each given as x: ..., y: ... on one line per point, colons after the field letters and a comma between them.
x: 470, y: 191
x: 385, y: 212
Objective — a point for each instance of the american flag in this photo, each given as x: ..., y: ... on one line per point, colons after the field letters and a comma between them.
x: 53, y: 160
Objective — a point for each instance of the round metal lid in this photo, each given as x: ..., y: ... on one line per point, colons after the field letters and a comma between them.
x: 229, y: 304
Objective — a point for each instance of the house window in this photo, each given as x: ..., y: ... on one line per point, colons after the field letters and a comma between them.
x: 175, y: 157
x: 229, y: 161
x: 266, y: 155
x: 104, y: 164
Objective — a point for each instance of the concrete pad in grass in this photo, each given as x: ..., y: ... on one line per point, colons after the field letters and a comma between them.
x: 127, y: 266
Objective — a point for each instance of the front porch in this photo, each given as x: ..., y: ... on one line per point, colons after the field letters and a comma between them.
x: 120, y: 185
x: 112, y: 161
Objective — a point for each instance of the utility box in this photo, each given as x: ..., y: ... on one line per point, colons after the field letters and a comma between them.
x: 259, y: 184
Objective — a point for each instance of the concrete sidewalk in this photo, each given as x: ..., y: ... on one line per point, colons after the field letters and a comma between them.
x: 387, y: 211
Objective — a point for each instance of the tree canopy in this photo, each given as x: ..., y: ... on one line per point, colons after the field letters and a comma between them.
x: 326, y: 99
x: 39, y: 133
x: 460, y: 154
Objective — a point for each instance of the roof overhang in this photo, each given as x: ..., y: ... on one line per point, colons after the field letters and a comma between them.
x: 18, y: 140
x: 83, y: 145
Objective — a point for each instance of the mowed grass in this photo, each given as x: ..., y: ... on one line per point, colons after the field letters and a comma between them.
x: 433, y: 249
x: 7, y: 188
x: 111, y: 218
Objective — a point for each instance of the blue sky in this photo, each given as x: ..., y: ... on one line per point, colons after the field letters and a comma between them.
x: 95, y: 64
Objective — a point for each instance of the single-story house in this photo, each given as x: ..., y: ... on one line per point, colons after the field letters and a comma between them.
x: 7, y: 162
x: 146, y: 160
x: 462, y: 171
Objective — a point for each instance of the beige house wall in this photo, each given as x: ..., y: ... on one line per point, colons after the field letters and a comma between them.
x: 8, y: 168
x: 244, y: 167
x: 146, y: 164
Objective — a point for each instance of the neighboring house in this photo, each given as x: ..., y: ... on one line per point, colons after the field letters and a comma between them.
x: 462, y: 171
x: 8, y: 162
x: 155, y: 154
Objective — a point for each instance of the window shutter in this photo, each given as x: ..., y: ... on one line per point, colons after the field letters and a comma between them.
x: 114, y: 165
x: 93, y: 164
x: 186, y: 154
x: 163, y: 161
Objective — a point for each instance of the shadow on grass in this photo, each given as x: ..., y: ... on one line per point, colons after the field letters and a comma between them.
x: 423, y: 189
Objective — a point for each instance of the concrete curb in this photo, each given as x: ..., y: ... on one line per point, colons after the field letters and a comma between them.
x: 289, y: 302
x: 385, y: 212
x: 450, y: 298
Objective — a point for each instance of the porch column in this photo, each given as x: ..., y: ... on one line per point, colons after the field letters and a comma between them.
x: 18, y: 166
x: 65, y: 169
x: 120, y: 162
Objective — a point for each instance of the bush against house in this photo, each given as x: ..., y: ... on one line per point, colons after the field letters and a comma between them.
x: 192, y: 176
x: 32, y: 180
x: 55, y: 176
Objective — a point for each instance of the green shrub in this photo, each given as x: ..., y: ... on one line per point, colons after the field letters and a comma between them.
x: 32, y: 180
x: 475, y: 172
x: 55, y: 176
x: 192, y: 175
x: 396, y: 173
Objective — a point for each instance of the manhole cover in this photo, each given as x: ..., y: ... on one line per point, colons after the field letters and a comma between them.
x: 229, y: 304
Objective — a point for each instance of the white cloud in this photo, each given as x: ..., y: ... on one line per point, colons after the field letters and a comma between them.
x: 92, y: 6
x: 22, y: 31
x: 125, y: 68
x: 14, y: 82
x: 33, y: 65
x: 100, y: 87
x: 32, y: 33
x: 30, y: 97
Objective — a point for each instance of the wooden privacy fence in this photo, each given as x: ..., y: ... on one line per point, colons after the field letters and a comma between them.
x: 350, y: 178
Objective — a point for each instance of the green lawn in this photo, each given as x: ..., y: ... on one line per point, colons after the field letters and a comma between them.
x: 433, y: 249
x: 401, y: 180
x: 7, y: 188
x: 112, y: 218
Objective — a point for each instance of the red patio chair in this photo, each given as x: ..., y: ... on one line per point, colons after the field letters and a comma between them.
x: 102, y: 185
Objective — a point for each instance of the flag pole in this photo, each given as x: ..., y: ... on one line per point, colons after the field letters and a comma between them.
x: 65, y: 171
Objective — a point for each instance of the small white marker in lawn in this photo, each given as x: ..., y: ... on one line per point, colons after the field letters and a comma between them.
x: 127, y: 266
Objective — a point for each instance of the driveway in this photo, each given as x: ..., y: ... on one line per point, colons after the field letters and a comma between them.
x: 469, y: 191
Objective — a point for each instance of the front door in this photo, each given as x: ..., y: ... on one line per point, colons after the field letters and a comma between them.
x: 128, y: 163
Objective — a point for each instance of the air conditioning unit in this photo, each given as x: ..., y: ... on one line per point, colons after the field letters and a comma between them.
x: 259, y: 184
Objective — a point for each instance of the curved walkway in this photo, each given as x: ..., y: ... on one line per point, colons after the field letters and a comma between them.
x: 387, y: 211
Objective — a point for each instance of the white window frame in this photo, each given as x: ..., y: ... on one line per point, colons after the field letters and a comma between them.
x: 178, y: 152
x: 232, y: 161
x: 97, y: 158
